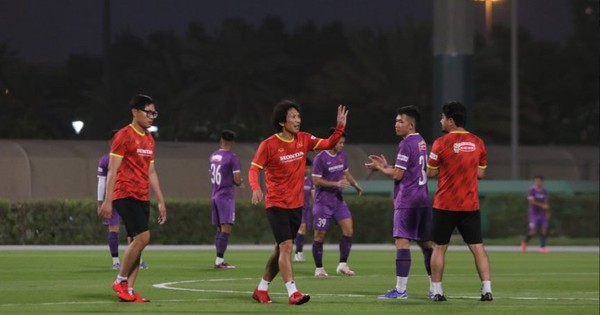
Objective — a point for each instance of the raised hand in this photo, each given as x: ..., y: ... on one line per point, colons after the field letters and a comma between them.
x: 342, y: 114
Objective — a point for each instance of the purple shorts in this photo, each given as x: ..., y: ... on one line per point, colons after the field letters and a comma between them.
x: 115, y: 219
x: 223, y: 211
x: 538, y: 221
x: 413, y: 223
x: 306, y: 215
x: 322, y: 214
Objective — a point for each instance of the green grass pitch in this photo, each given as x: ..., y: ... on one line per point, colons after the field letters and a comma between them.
x: 184, y: 282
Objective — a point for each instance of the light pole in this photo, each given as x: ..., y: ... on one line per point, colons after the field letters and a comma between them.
x: 514, y: 92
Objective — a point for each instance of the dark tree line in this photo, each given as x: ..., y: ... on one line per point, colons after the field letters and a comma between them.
x: 230, y: 78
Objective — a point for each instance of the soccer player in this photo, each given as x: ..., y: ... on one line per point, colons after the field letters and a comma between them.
x: 131, y: 173
x: 224, y: 169
x: 412, y: 208
x: 539, y: 213
x: 309, y: 191
x: 330, y: 175
x: 114, y: 221
x: 282, y: 156
x: 459, y: 158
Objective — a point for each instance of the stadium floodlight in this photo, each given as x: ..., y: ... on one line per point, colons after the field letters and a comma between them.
x: 488, y: 18
x: 77, y: 125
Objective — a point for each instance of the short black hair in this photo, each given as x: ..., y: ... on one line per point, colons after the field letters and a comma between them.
x: 411, y: 111
x: 539, y: 176
x: 332, y: 130
x: 228, y: 135
x: 140, y: 101
x: 280, y: 111
x: 456, y: 111
x: 308, y: 162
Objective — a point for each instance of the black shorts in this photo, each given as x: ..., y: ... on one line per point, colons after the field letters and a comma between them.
x: 468, y: 223
x: 135, y: 214
x: 284, y: 222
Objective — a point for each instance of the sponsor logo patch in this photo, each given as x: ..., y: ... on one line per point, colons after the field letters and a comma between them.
x: 144, y: 152
x: 291, y: 157
x: 464, y: 147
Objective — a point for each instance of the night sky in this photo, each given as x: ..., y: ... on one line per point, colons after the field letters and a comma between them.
x: 49, y: 30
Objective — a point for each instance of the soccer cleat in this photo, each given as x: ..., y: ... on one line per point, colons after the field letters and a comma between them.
x: 299, y: 257
x: 393, y: 294
x: 121, y: 289
x: 224, y: 265
x: 116, y: 266
x: 139, y: 298
x: 487, y: 297
x: 261, y: 296
x: 439, y: 298
x: 344, y: 270
x: 543, y: 250
x: 523, y: 247
x: 430, y: 294
x: 298, y: 298
x: 143, y: 265
x: 321, y: 273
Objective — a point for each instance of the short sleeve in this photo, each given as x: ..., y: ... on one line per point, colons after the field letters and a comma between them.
x: 434, y: 156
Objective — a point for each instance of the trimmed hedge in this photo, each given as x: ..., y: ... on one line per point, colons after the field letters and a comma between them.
x: 64, y: 222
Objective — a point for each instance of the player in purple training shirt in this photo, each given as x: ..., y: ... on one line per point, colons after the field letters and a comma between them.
x: 539, y: 213
x: 330, y: 175
x: 224, y: 169
x: 412, y: 207
x: 309, y: 191
x: 114, y: 221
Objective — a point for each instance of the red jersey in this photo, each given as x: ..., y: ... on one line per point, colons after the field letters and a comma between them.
x: 283, y: 162
x: 458, y: 155
x: 137, y: 151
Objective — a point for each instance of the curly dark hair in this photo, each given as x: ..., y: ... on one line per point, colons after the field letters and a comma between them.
x: 280, y: 111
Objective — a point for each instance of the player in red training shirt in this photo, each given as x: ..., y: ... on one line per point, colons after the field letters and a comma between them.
x: 130, y: 175
x: 283, y: 157
x: 460, y: 159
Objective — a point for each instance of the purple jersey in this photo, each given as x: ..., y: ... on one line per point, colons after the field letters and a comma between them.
x: 330, y: 168
x: 222, y: 165
x: 103, y: 165
x: 308, y: 188
x: 103, y: 172
x: 412, y: 191
x: 539, y: 195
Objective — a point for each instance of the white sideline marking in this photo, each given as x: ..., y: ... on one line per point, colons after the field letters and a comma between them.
x: 171, y: 286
